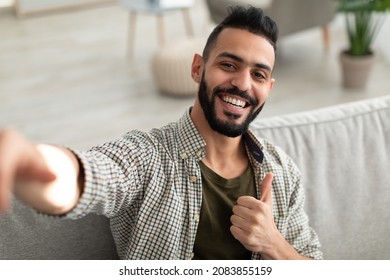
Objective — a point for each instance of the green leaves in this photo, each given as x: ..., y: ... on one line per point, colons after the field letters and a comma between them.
x: 363, y: 18
x: 363, y: 5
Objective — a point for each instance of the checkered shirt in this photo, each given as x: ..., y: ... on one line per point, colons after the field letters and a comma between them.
x: 149, y: 185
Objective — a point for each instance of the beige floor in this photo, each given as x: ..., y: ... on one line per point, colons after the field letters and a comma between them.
x: 65, y: 78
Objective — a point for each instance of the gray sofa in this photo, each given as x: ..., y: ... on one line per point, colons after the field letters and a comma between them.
x: 299, y: 15
x: 342, y: 151
x: 26, y: 235
x: 291, y: 15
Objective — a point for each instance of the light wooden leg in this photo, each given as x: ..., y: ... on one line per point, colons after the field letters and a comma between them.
x: 326, y: 37
x: 17, y: 9
x: 131, y: 35
x: 160, y: 28
x: 187, y: 21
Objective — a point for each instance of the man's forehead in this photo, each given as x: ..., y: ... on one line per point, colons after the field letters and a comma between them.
x: 231, y: 32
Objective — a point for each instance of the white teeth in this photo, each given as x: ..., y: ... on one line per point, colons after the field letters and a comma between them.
x: 234, y: 101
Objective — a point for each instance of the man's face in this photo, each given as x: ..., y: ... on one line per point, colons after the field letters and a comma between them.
x: 227, y: 127
x: 235, y: 81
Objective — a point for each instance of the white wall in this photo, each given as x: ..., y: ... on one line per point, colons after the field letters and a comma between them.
x: 6, y: 3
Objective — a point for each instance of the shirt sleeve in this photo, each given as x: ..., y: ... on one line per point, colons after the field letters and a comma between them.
x: 299, y: 233
x: 113, y: 176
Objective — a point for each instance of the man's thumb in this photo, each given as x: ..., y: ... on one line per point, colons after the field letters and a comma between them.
x: 265, y: 188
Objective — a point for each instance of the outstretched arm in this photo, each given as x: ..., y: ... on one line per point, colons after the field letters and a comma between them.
x: 45, y: 177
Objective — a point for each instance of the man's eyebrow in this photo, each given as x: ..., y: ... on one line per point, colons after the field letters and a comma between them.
x: 241, y: 60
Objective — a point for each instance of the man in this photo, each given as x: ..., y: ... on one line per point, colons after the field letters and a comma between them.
x: 203, y: 187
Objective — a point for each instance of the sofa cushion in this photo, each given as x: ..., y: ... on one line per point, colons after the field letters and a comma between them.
x: 26, y: 235
x: 343, y: 153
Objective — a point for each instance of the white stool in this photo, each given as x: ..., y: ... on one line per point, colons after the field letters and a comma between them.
x: 171, y: 67
x: 158, y: 8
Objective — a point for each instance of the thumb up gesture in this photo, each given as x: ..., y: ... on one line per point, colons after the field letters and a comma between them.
x: 252, y: 220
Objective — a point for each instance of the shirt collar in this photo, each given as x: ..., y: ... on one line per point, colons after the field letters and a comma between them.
x: 190, y: 141
x: 253, y: 145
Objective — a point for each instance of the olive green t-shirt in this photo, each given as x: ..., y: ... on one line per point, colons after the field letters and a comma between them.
x: 214, y: 240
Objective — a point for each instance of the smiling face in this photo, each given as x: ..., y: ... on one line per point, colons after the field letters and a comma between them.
x: 235, y: 80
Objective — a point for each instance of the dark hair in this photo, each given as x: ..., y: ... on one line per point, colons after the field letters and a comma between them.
x: 247, y: 18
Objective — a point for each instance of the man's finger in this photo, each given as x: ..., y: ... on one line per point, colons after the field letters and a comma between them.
x: 20, y: 161
x: 265, y: 188
x: 4, y: 192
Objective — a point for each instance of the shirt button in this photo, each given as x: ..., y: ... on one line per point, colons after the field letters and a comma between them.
x: 199, y: 153
x: 196, y: 217
x: 192, y: 255
x: 193, y: 179
x: 183, y: 155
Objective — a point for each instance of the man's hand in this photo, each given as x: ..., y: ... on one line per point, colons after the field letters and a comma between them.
x: 252, y: 220
x: 253, y: 225
x: 45, y: 177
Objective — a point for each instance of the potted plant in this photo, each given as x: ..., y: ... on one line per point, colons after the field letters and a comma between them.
x: 363, y: 19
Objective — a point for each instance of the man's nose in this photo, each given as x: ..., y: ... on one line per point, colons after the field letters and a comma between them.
x: 242, y: 80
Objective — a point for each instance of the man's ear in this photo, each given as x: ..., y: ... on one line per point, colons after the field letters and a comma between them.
x: 197, y: 68
x: 271, y: 86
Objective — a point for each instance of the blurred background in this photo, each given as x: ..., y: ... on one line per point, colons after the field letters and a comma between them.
x: 70, y: 74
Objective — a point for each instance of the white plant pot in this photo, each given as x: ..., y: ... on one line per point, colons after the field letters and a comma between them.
x: 356, y: 70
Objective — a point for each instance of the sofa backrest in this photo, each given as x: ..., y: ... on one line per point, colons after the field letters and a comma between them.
x: 290, y: 15
x: 26, y: 235
x: 299, y: 15
x: 343, y: 153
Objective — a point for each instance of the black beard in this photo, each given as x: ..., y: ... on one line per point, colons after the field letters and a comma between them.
x: 227, y: 128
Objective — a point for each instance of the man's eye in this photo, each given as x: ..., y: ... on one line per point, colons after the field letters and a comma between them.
x: 227, y: 65
x: 258, y: 75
